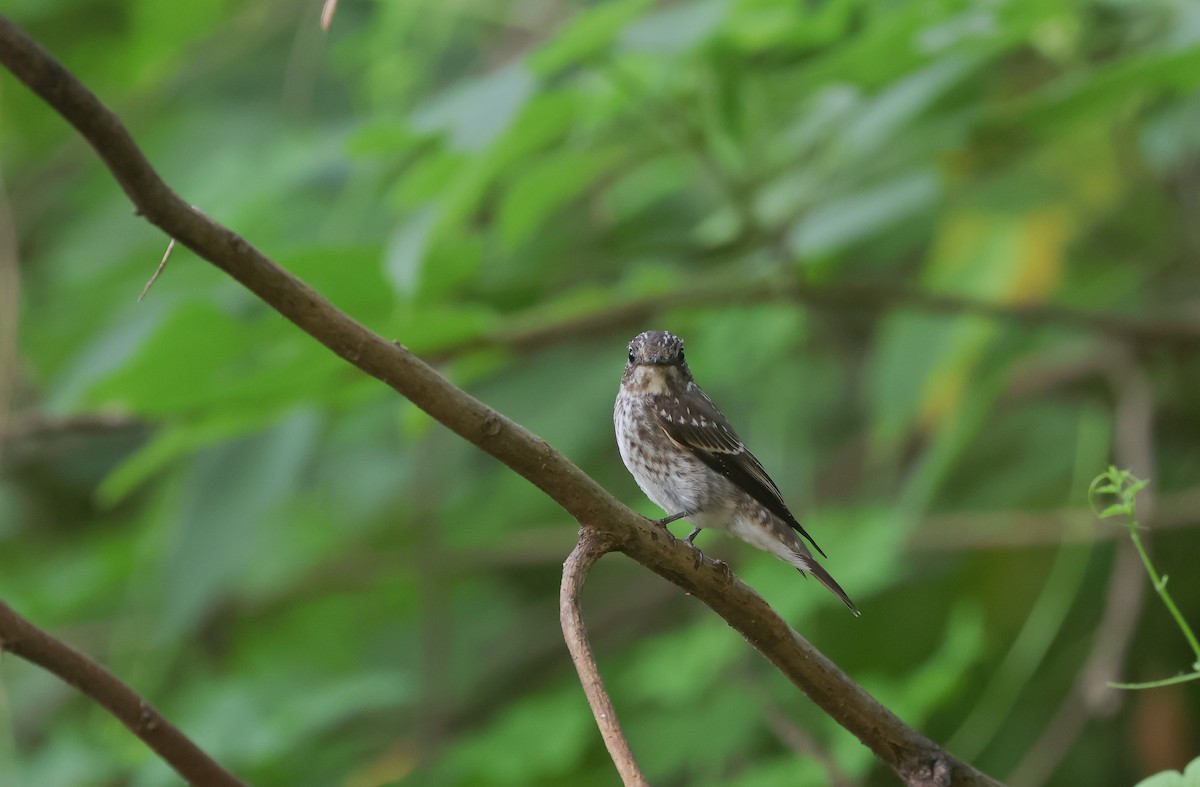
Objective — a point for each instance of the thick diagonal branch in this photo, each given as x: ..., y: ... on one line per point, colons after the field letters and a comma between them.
x: 591, y: 547
x: 22, y: 638
x: 912, y: 756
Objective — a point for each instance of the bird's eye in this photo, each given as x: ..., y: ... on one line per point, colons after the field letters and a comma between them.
x: 681, y: 356
x: 631, y: 356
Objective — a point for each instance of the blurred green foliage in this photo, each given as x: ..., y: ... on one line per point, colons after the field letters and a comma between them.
x: 324, y: 588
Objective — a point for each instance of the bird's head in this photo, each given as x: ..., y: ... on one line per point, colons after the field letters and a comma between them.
x: 656, y: 363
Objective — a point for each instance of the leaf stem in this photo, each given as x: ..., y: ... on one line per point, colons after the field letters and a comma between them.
x: 1160, y: 587
x: 1124, y: 486
x: 1154, y: 684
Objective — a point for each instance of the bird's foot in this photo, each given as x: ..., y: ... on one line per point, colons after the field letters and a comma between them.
x: 725, y: 569
x: 690, y: 540
x: 666, y: 520
x: 671, y: 539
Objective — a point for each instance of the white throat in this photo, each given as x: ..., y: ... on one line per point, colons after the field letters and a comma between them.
x: 651, y: 379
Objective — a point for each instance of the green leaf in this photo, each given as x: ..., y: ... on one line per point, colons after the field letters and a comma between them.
x: 1189, y: 778
x: 108, y: 352
x: 856, y: 218
x: 538, y: 737
x: 885, y: 115
x: 229, y: 493
x: 545, y: 188
x: 675, y: 28
x: 1078, y: 98
x: 1114, y: 510
x: 168, y: 445
x: 346, y: 274
x: 179, y: 367
x: 586, y: 35
x: 430, y: 327
x: 406, y: 250
x: 667, y: 669
x: 645, y: 185
x: 477, y: 112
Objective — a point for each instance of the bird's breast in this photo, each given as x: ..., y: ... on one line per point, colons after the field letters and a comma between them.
x: 671, y: 476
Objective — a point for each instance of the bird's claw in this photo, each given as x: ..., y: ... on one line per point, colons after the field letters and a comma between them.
x: 690, y: 540
x: 725, y: 569
x: 671, y: 539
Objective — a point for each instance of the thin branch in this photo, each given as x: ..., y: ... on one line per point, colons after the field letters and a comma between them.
x: 29, y: 436
x: 912, y: 756
x: 846, y: 298
x: 591, y: 547
x: 36, y: 426
x: 327, y: 11
x: 20, y: 637
x: 158, y: 271
x: 1020, y: 529
x: 888, y: 295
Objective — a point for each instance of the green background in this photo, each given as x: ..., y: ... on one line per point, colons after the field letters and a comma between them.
x: 323, y: 587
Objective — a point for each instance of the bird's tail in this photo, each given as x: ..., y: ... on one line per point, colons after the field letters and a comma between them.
x: 811, y: 566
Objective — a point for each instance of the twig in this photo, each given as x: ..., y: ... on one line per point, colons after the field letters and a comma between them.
x: 19, y: 636
x: 912, y: 756
x: 1020, y: 529
x: 590, y: 548
x: 875, y: 296
x: 869, y: 298
x: 327, y: 11
x: 27, y: 436
x: 158, y: 271
x: 40, y: 426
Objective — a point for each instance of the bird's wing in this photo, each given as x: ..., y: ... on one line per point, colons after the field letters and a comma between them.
x: 699, y: 427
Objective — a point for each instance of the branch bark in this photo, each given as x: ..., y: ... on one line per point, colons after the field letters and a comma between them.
x: 19, y: 636
x: 915, y: 758
x: 592, y: 547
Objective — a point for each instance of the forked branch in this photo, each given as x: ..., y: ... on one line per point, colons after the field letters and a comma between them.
x: 591, y: 547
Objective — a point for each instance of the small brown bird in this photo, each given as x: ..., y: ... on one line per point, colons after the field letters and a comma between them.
x: 688, y: 460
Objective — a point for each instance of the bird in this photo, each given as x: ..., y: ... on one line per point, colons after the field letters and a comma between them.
x: 690, y: 462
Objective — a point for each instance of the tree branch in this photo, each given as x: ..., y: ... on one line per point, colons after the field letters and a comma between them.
x: 591, y: 547
x: 19, y: 636
x: 1021, y: 529
x: 912, y: 756
x: 872, y: 298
